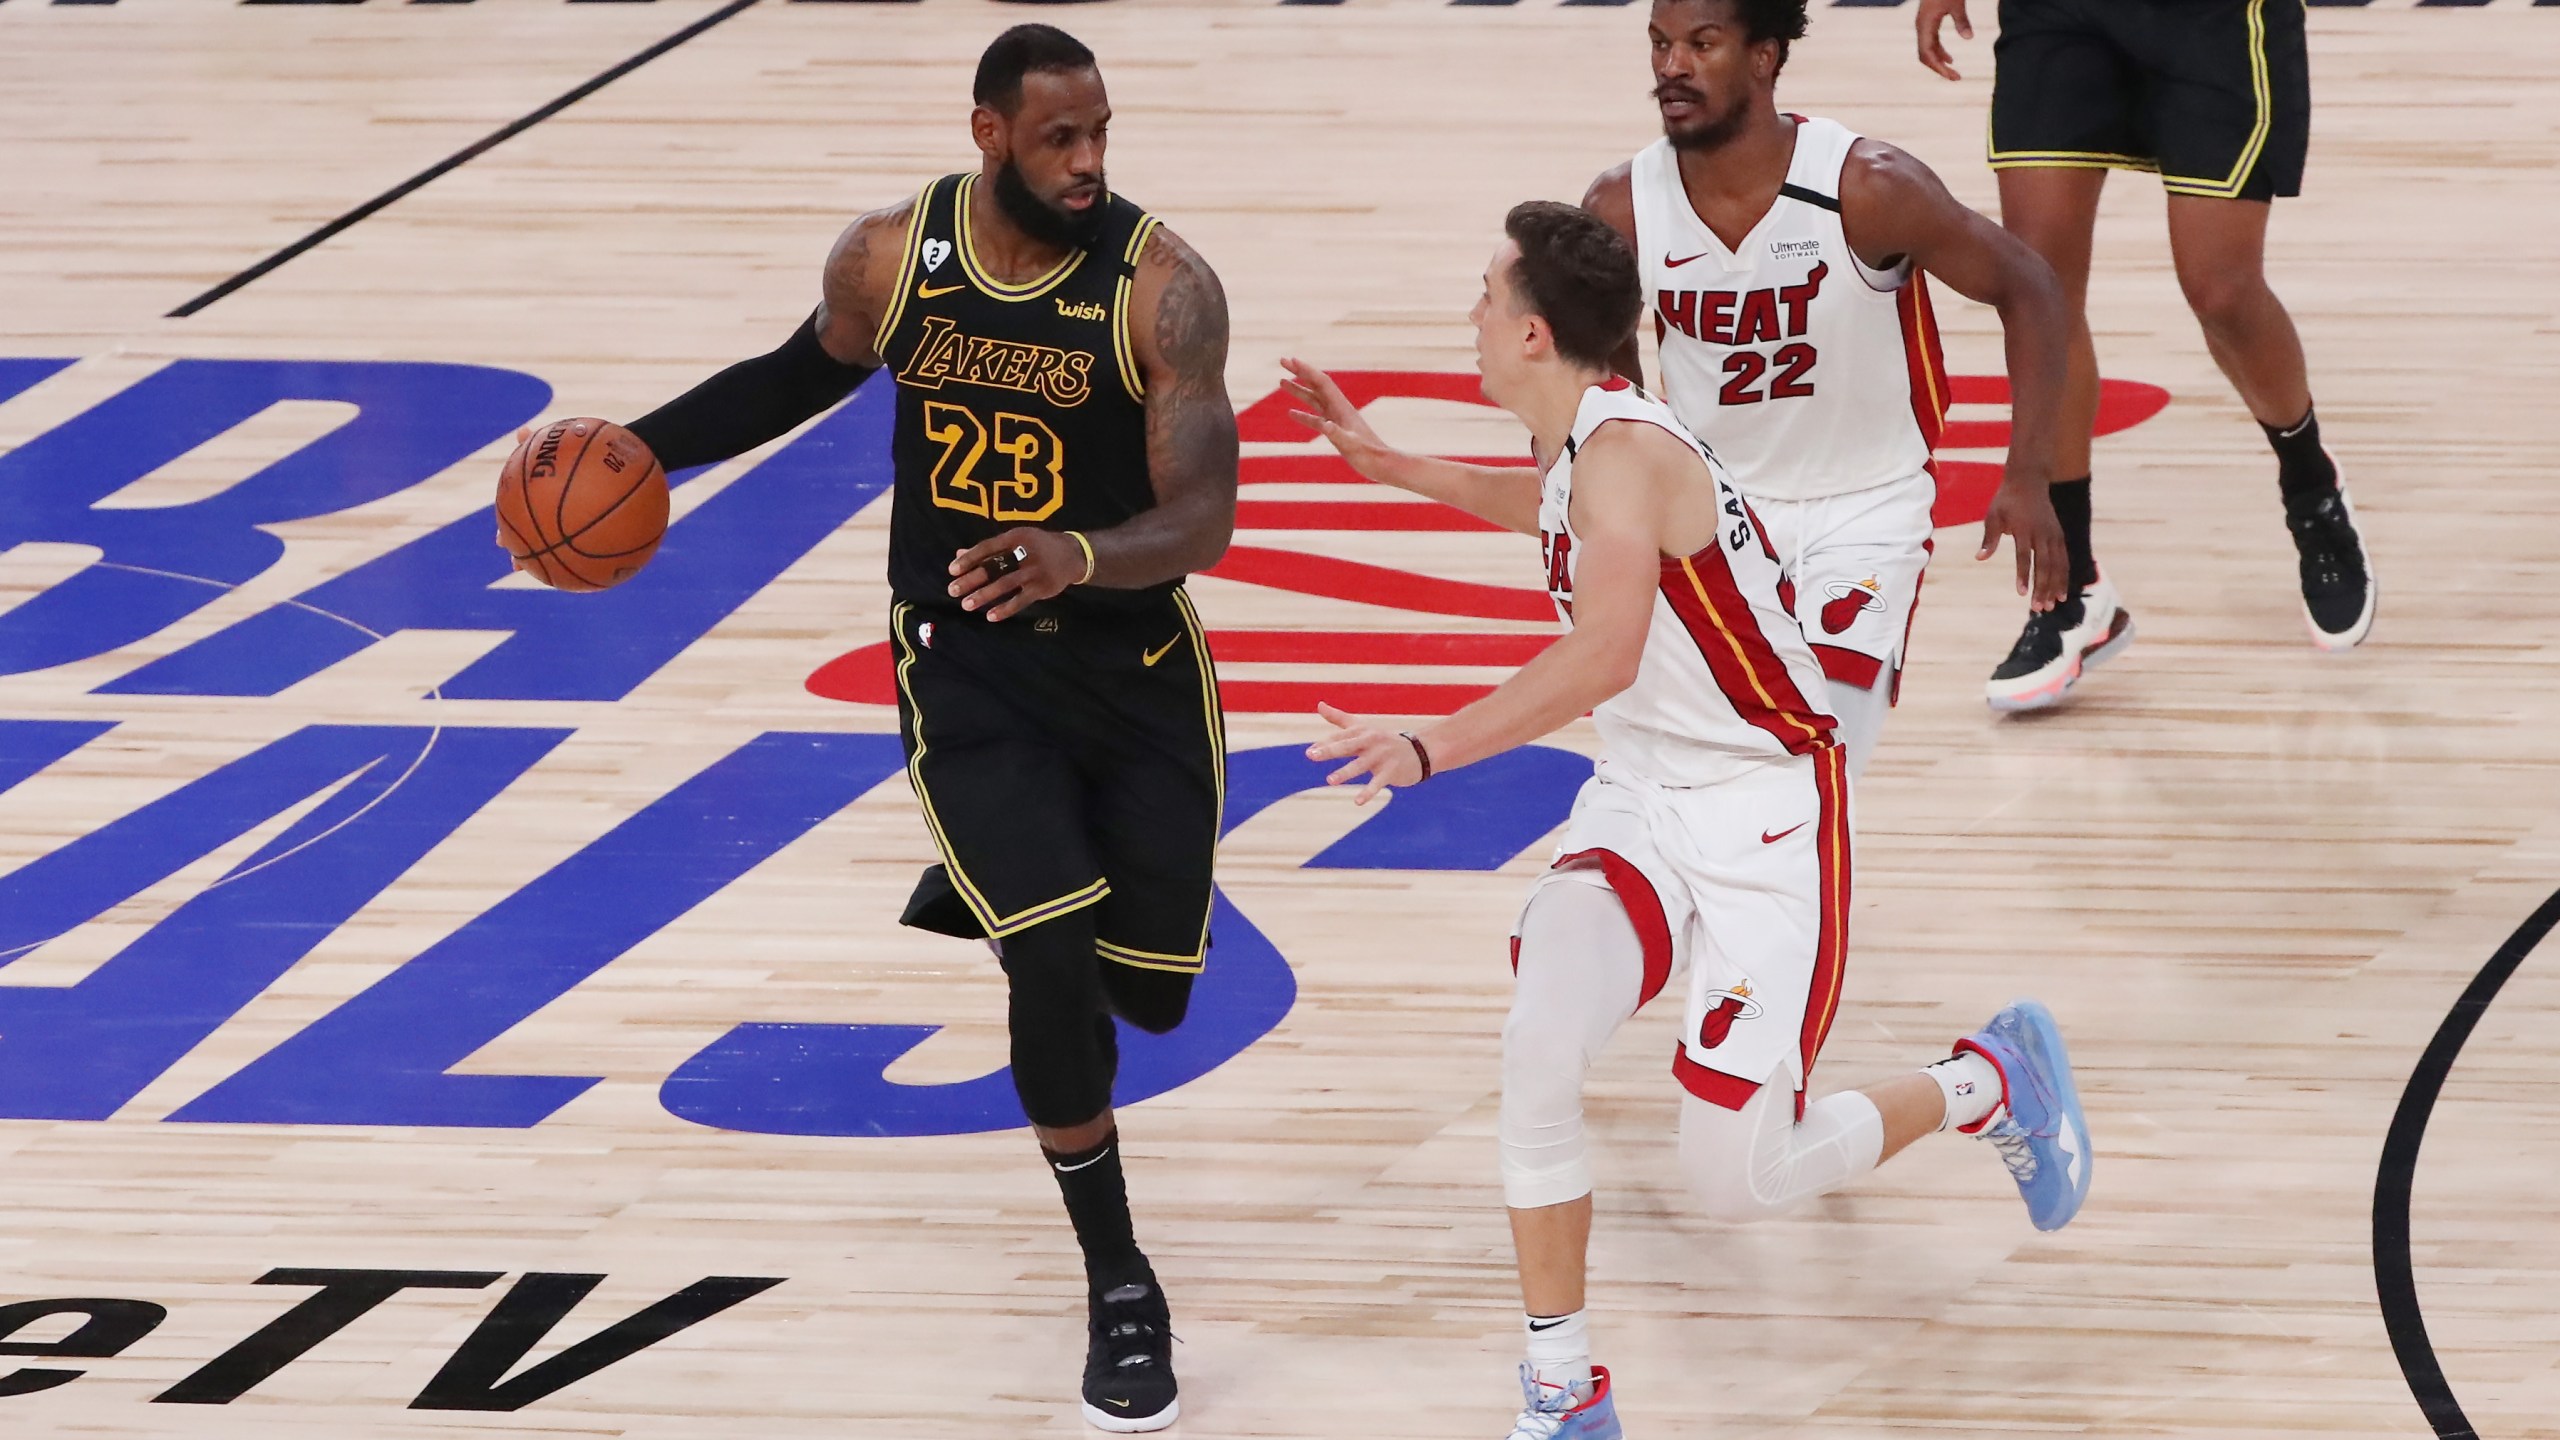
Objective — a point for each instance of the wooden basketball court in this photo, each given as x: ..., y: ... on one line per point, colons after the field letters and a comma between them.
x: 365, y: 911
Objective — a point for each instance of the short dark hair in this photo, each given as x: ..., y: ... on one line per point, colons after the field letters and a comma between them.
x: 1578, y: 275
x: 1018, y: 52
x: 1780, y: 20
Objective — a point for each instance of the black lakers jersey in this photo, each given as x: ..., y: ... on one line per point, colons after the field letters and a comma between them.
x: 1017, y: 404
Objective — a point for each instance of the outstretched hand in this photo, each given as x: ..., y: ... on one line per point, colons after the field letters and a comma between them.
x: 1385, y: 756
x: 1330, y: 413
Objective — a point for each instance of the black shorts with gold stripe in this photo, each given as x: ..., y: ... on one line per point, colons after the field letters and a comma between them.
x: 2213, y: 94
x: 1066, y: 761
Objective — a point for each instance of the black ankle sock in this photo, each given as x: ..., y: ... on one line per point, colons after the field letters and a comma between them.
x: 2304, y: 471
x: 1097, y: 1197
x: 2071, y: 507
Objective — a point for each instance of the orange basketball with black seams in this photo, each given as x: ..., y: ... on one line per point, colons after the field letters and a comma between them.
x: 582, y: 504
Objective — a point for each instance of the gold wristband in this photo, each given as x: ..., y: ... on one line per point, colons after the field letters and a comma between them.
x: 1087, y: 547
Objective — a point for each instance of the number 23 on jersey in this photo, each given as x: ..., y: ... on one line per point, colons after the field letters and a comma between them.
x: 965, y: 479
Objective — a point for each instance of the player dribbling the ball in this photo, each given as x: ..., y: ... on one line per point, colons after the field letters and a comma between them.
x: 1065, y: 455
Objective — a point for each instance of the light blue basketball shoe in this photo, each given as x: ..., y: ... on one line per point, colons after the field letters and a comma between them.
x: 2038, y: 1128
x: 1552, y: 1412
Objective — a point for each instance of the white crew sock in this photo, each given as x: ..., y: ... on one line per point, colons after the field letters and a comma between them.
x: 1971, y: 1085
x: 1560, y: 1349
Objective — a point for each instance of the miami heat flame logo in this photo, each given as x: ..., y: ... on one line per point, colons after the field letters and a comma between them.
x: 1731, y: 1005
x: 1849, y: 599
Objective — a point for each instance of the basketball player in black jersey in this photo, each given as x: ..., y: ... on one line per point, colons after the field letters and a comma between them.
x: 2215, y: 96
x: 1065, y: 455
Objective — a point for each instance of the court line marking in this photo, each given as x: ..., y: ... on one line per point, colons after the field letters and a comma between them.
x: 435, y: 731
x: 458, y: 159
x: 2394, y: 1279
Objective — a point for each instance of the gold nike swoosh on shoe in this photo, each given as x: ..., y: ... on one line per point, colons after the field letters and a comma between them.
x: 1159, y: 653
x: 927, y: 292
x: 1123, y: 1404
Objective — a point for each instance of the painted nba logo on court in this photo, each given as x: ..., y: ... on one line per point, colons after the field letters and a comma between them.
x: 1731, y: 1005
x: 1850, y: 599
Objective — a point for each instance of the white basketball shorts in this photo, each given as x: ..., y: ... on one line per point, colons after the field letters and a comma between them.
x: 1742, y: 887
x: 1855, y: 563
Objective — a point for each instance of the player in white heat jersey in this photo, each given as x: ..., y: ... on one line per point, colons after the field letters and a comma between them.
x: 1784, y: 262
x: 1713, y: 840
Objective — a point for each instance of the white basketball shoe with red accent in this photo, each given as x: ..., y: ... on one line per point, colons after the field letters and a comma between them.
x: 2058, y: 646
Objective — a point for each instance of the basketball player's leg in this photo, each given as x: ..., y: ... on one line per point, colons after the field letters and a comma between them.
x: 1148, y: 753
x: 1594, y: 943
x: 2065, y: 109
x: 2220, y: 248
x: 1154, y: 772
x: 1764, y: 989
x: 1581, y: 974
x: 981, y: 715
x: 1857, y: 562
x: 1762, y: 1160
x: 1582, y: 970
x: 2054, y: 209
x: 2228, y: 100
x: 1066, y: 1054
x: 2231, y: 102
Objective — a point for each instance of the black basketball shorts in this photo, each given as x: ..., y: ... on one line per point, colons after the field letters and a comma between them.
x: 2213, y: 94
x: 1064, y: 762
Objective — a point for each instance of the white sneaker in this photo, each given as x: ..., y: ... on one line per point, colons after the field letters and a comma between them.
x: 2057, y: 645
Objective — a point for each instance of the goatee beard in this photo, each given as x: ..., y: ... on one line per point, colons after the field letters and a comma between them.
x: 1042, y: 221
x: 1712, y: 135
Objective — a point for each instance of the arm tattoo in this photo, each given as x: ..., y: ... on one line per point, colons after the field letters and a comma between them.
x: 851, y: 276
x: 1191, y: 425
x: 1191, y: 429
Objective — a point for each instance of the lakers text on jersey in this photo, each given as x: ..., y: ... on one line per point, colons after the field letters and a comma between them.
x: 1017, y: 404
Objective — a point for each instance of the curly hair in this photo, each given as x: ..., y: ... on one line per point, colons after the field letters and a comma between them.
x: 1780, y: 20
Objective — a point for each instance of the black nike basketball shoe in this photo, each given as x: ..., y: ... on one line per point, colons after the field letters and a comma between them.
x: 1128, y: 1362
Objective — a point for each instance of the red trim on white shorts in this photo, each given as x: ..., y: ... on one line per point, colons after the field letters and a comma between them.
x: 1644, y: 907
x: 1849, y: 667
x: 1713, y: 1086
x: 1919, y: 582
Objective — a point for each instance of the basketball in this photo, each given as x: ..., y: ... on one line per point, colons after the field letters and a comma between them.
x: 582, y: 504
x: 1145, y: 802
